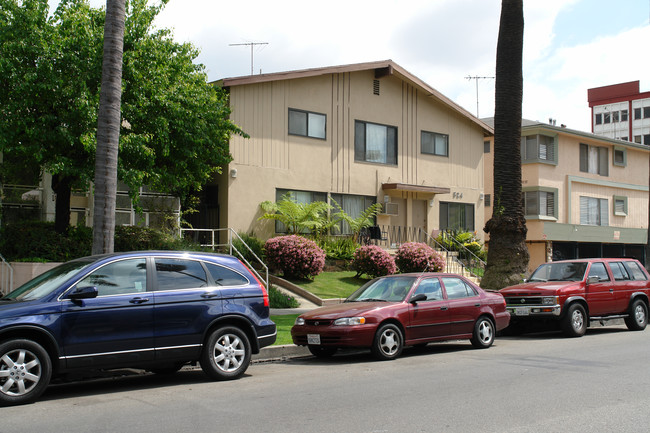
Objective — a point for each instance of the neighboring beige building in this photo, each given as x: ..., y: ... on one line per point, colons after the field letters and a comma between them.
x: 584, y: 195
x: 360, y: 134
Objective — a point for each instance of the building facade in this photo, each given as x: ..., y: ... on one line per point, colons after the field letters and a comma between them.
x: 358, y: 134
x: 584, y: 195
x: 620, y: 111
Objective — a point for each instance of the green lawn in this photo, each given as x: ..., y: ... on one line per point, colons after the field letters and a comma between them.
x: 325, y: 285
x: 332, y: 284
x: 284, y: 324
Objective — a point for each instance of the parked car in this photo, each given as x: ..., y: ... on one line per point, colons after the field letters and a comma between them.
x: 577, y: 292
x: 391, y: 312
x: 151, y: 310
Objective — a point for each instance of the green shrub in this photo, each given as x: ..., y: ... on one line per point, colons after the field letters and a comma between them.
x: 278, y: 299
x: 339, y: 248
x: 37, y: 240
x: 255, y: 244
x: 135, y: 238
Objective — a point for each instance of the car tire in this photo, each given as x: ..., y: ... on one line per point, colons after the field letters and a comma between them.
x: 484, y: 332
x: 226, y: 354
x: 26, y: 371
x: 322, y: 351
x: 574, y: 323
x: 638, y: 318
x: 388, y: 342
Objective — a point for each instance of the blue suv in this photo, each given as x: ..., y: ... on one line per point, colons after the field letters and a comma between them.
x: 151, y: 310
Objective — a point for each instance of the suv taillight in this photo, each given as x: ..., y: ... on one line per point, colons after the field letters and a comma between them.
x: 265, y: 293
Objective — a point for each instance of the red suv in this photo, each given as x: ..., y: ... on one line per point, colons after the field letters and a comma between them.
x: 575, y: 292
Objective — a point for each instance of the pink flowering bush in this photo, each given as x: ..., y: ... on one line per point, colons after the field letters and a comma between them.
x: 295, y: 256
x: 372, y: 261
x: 418, y: 257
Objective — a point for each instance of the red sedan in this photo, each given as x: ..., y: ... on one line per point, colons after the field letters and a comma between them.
x: 391, y: 312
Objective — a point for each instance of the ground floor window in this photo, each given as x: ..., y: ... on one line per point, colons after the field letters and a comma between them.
x: 584, y: 250
x: 456, y: 216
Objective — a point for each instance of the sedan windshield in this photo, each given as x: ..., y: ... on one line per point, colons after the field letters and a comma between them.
x: 389, y: 289
x: 48, y: 281
x: 560, y: 271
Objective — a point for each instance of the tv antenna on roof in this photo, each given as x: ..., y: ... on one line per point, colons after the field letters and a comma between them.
x: 252, y: 45
x: 476, y: 78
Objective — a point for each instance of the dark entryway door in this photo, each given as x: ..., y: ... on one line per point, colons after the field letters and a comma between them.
x: 207, y: 216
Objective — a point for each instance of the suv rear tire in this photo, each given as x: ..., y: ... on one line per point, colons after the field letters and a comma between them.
x: 638, y: 318
x: 226, y: 354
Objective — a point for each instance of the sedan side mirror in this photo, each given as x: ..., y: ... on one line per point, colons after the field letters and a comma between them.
x: 83, y: 293
x: 417, y: 298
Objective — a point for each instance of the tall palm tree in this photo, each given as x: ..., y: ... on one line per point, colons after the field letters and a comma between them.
x: 507, y: 253
x: 108, y: 129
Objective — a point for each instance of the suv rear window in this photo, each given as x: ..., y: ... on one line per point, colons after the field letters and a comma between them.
x: 635, y: 271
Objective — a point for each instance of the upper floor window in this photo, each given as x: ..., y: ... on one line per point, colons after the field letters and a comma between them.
x: 593, y: 211
x: 538, y: 148
x: 620, y: 205
x: 539, y: 203
x: 375, y: 143
x: 623, y: 115
x: 599, y: 119
x: 307, y: 124
x: 594, y: 159
x: 637, y: 113
x: 434, y: 143
x: 620, y: 156
x: 486, y: 146
x: 646, y: 112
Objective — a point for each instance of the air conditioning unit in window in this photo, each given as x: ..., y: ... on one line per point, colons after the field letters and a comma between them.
x: 390, y: 209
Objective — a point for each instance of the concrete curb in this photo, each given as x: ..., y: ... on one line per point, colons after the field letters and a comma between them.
x: 280, y: 353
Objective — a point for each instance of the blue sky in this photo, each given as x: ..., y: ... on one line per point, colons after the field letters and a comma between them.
x: 569, y: 45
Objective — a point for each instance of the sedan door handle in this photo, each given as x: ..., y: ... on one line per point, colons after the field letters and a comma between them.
x: 444, y: 308
x: 139, y: 300
x: 477, y: 305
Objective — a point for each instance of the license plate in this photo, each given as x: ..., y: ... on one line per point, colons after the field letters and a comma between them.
x: 313, y: 338
x: 522, y: 311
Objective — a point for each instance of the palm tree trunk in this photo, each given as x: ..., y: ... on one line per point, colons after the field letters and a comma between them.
x: 507, y: 253
x: 108, y: 129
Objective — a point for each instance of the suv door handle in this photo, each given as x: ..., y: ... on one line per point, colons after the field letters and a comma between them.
x: 210, y: 295
x: 139, y: 300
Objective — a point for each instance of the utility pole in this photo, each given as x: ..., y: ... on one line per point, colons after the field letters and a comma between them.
x: 252, y: 45
x: 476, y: 78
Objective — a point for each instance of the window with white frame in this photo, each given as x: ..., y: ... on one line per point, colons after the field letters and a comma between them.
x: 594, y: 159
x: 433, y: 143
x: 594, y: 211
x: 538, y: 148
x: 301, y: 197
x: 307, y: 124
x: 375, y: 143
x: 620, y: 205
x: 540, y: 203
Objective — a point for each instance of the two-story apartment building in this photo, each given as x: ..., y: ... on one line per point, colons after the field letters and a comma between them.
x: 359, y: 134
x: 584, y: 195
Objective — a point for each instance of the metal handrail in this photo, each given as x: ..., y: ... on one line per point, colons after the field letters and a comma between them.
x: 473, y: 258
x: 231, y: 248
x: 6, y: 276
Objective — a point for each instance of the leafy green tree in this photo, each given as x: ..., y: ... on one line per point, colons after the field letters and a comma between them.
x: 174, y: 128
x: 508, y: 255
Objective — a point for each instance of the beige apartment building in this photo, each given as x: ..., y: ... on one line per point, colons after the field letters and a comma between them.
x: 585, y: 195
x: 358, y: 134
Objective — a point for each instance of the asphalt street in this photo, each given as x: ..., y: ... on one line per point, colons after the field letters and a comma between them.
x: 532, y: 383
